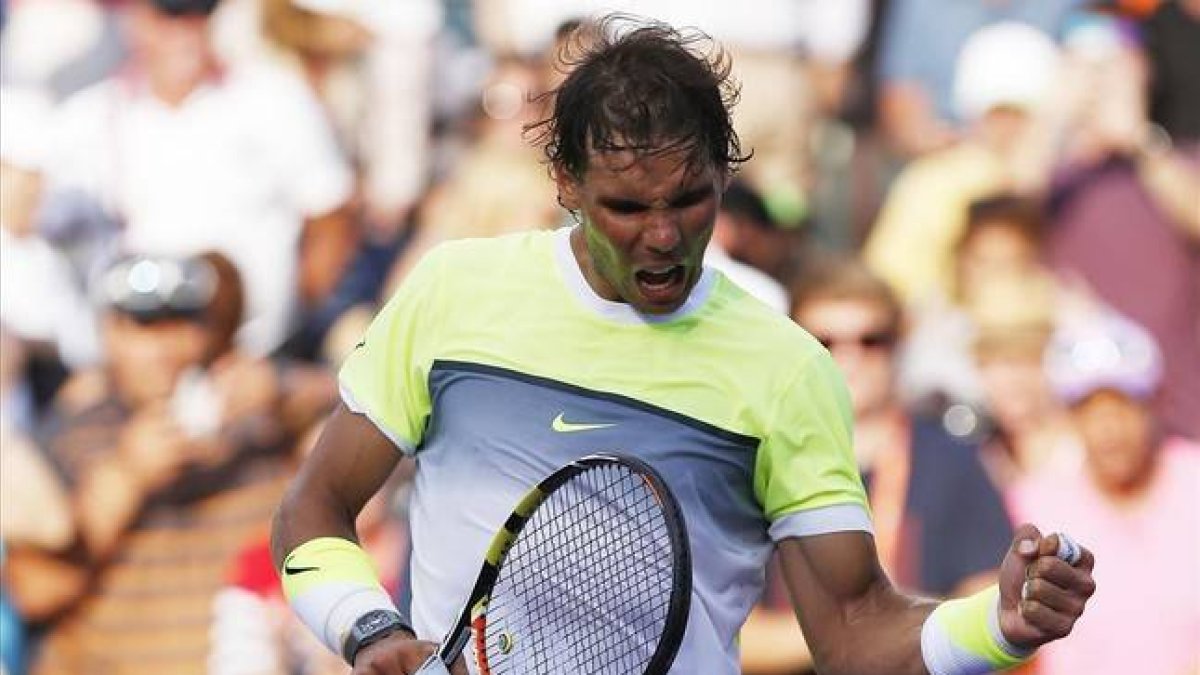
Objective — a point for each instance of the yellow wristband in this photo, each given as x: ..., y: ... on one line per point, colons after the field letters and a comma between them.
x: 962, y: 637
x: 330, y: 582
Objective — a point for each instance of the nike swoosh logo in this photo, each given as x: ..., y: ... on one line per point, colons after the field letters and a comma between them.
x: 564, y: 427
x: 288, y: 569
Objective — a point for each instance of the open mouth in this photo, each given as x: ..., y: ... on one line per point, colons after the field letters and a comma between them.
x: 661, y: 285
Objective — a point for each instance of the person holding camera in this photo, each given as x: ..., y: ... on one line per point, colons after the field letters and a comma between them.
x: 172, y: 458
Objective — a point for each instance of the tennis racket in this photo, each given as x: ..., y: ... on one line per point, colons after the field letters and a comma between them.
x: 591, y: 575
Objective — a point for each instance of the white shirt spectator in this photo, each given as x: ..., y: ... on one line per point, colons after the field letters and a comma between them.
x: 829, y: 30
x: 237, y: 167
x: 40, y: 302
x: 39, y: 298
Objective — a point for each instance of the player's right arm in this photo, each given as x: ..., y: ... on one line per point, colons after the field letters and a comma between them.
x: 329, y: 580
x: 349, y: 463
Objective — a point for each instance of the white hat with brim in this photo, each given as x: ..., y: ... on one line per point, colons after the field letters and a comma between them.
x: 1006, y: 64
x: 1103, y: 351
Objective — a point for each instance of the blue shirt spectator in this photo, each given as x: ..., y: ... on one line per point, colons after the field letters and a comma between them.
x: 920, y: 45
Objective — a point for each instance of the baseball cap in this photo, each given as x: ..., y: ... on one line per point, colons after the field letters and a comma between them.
x: 1103, y: 351
x: 155, y: 288
x: 411, y: 17
x: 1007, y: 63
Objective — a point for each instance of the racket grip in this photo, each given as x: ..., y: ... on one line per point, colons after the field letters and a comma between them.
x: 433, y: 666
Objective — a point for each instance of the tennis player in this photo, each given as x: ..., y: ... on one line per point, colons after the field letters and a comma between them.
x: 499, y: 360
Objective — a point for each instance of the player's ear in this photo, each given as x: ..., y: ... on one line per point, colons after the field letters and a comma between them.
x: 568, y: 188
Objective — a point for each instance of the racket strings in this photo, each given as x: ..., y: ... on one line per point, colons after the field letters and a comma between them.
x: 583, y: 643
x: 611, y: 652
x: 532, y: 548
x: 587, y: 585
x: 612, y: 614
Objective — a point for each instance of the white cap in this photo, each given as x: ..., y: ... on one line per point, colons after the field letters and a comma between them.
x: 1103, y: 351
x: 24, y: 127
x: 419, y: 18
x: 1006, y: 63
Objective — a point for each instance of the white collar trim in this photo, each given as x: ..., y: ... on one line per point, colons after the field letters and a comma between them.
x: 621, y: 312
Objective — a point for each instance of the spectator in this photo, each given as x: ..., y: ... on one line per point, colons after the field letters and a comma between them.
x: 1001, y: 240
x: 919, y: 477
x: 922, y: 42
x: 1124, y: 210
x: 938, y: 521
x: 792, y: 51
x: 370, y: 64
x: 1003, y: 77
x: 499, y: 184
x: 168, y: 472
x: 189, y: 156
x: 60, y: 46
x: 1173, y: 47
x: 53, y: 324
x: 254, y: 631
x: 1014, y: 317
x: 33, y: 506
x: 1134, y: 502
x: 744, y: 232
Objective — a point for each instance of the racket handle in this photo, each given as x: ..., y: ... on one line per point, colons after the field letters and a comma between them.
x: 433, y: 666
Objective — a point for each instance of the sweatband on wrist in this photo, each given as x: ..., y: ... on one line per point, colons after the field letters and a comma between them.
x: 330, y: 582
x: 962, y: 637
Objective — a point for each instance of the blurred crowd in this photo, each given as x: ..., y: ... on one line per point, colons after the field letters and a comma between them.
x: 987, y: 210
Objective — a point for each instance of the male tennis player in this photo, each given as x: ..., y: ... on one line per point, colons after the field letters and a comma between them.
x: 499, y: 360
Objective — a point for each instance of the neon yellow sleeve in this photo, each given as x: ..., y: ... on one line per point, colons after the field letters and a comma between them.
x: 386, y: 376
x: 806, y: 464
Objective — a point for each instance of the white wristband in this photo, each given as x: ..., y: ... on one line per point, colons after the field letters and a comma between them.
x: 330, y: 583
x: 963, y: 637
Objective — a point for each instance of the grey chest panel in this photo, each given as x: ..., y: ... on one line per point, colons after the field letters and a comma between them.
x: 517, y: 427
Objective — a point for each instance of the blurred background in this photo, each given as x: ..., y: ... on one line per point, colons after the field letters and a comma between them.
x: 988, y: 211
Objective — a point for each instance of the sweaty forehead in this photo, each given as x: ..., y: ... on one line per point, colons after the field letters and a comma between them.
x: 645, y: 175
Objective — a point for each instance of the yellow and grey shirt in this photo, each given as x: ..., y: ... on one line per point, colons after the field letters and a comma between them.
x: 495, y: 363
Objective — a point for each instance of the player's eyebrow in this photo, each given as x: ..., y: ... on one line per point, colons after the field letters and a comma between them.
x: 687, y: 198
x: 693, y: 196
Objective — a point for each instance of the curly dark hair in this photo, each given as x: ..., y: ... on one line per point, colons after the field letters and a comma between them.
x: 641, y: 85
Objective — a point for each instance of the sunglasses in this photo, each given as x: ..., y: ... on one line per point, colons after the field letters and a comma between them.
x: 882, y: 339
x: 148, y: 288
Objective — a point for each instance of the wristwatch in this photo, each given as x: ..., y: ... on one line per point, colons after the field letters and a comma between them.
x: 369, y: 628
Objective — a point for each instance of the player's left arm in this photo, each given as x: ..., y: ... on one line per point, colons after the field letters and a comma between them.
x: 857, y: 622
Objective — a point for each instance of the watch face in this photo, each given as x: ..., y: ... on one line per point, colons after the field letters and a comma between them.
x: 368, y: 628
x: 374, y: 620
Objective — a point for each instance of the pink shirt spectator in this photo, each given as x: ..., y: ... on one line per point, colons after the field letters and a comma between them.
x: 1145, y: 616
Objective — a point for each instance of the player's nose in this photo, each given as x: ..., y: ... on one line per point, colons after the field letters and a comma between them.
x: 662, y: 234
